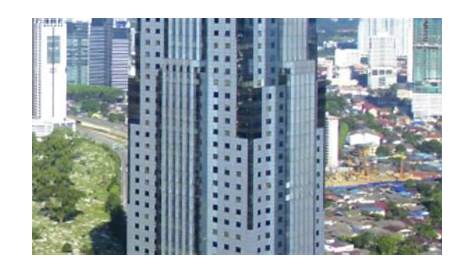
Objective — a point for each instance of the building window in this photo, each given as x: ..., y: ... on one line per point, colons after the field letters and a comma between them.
x: 53, y: 49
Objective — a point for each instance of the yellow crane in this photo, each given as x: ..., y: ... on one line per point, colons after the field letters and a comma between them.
x: 401, y: 163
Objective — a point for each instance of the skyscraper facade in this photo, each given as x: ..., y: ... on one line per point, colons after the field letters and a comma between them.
x: 48, y: 74
x: 99, y: 51
x: 120, y: 53
x: 399, y: 28
x: 427, y: 69
x: 382, y: 61
x: 226, y: 148
x: 109, y: 53
x: 78, y: 52
x: 332, y: 142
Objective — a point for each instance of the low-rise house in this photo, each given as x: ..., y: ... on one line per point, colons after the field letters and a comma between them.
x: 338, y: 247
x: 372, y: 209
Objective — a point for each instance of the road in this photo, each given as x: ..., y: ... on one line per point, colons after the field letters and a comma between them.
x: 119, y: 145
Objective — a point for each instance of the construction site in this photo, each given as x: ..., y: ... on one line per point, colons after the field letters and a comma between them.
x: 361, y: 166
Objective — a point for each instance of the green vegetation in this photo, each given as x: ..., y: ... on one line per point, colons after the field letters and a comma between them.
x: 395, y: 212
x: 343, y: 132
x: 371, y: 122
x: 363, y: 120
x: 116, y: 117
x: 67, y: 248
x: 386, y: 244
x: 411, y: 138
x: 432, y: 200
x: 100, y: 93
x: 335, y: 104
x: 400, y: 149
x: 431, y: 147
x: 382, y: 151
x: 426, y: 231
x: 90, y: 106
x: 93, y: 99
x: 52, y: 187
x: 73, y: 180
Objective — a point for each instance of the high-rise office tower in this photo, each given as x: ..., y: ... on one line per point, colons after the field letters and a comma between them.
x: 427, y: 47
x: 226, y: 141
x: 382, y: 61
x: 332, y: 142
x: 399, y: 28
x: 109, y: 53
x: 48, y: 75
x: 99, y: 51
x: 77, y: 52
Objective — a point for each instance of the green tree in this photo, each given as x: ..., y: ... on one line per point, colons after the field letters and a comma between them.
x: 67, y: 248
x: 411, y: 184
x: 371, y: 122
x: 409, y: 247
x: 387, y: 244
x: 411, y: 138
x: 425, y: 231
x: 364, y: 240
x: 90, y: 106
x: 63, y: 200
x: 343, y: 131
x: 400, y: 149
x: 36, y: 233
x: 86, y: 250
x: 393, y: 211
x: 116, y: 117
x: 382, y: 151
x: 335, y: 104
x: 431, y: 147
x: 100, y: 93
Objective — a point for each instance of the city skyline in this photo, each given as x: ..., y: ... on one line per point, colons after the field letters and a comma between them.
x: 238, y: 135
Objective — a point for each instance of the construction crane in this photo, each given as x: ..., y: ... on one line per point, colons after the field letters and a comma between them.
x: 401, y: 163
x: 363, y: 153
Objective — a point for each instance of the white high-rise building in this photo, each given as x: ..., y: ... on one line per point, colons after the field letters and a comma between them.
x: 49, y: 75
x: 346, y: 57
x: 382, y: 61
x: 399, y: 28
x: 332, y: 141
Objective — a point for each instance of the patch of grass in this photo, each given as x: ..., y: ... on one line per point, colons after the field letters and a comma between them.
x: 92, y: 172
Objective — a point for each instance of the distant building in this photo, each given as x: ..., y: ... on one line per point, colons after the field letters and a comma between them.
x: 347, y: 57
x: 399, y: 28
x: 344, y: 77
x: 109, y: 53
x: 382, y: 62
x: 364, y: 137
x: 78, y: 52
x: 49, y: 75
x: 120, y: 58
x: 427, y: 68
x: 332, y: 141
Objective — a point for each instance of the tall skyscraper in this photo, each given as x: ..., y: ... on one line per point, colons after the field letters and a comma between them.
x: 399, y: 28
x: 99, y: 51
x: 120, y: 58
x: 427, y: 69
x: 109, y: 53
x: 332, y: 142
x: 48, y: 75
x: 78, y: 52
x: 226, y: 142
x: 382, y: 61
